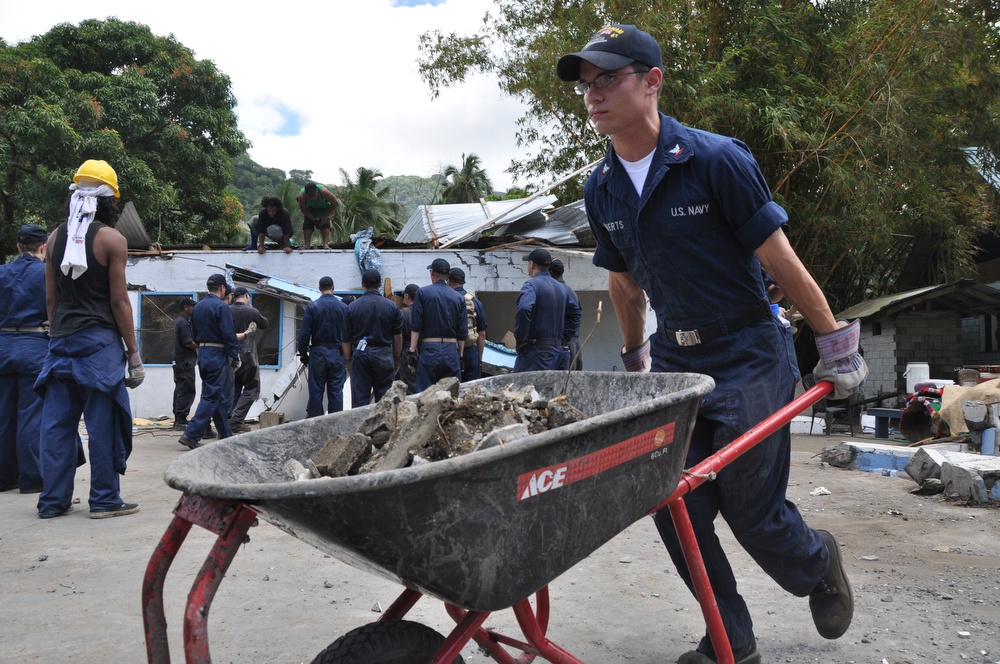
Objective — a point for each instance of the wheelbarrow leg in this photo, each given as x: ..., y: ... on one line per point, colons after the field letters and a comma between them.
x: 230, y: 520
x: 153, y: 616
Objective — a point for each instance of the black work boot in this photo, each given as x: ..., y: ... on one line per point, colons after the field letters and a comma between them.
x: 832, y: 602
x: 746, y: 655
x: 180, y: 422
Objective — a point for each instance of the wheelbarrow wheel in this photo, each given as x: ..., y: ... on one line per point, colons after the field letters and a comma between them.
x: 387, y: 642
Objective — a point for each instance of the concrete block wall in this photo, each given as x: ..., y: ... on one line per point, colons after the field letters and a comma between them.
x: 934, y: 337
x: 880, y: 354
x: 972, y: 344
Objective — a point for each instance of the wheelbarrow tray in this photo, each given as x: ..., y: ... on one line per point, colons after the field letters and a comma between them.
x: 483, y: 530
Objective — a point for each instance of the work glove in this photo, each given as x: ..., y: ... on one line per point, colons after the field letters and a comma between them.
x: 637, y: 359
x: 410, y: 359
x: 464, y: 365
x: 251, y: 328
x: 304, y: 357
x: 136, y: 372
x: 839, y: 360
x: 235, y: 362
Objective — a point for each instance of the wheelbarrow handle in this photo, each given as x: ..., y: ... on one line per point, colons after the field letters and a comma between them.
x: 707, y: 469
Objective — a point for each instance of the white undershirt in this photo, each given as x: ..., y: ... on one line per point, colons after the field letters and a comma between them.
x: 637, y: 170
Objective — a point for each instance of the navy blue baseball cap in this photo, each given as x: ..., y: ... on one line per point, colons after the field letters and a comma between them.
x: 440, y: 266
x: 612, y: 48
x: 540, y: 257
x: 31, y: 234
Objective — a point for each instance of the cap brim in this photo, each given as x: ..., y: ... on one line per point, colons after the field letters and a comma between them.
x: 569, y: 65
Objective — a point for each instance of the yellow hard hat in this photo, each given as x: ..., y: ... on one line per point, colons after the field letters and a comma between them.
x: 94, y: 171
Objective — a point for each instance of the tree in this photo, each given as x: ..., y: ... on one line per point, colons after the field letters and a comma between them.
x: 112, y: 90
x: 365, y: 202
x: 466, y: 184
x: 859, y: 112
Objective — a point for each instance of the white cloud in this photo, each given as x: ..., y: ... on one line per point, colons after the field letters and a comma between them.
x: 345, y: 70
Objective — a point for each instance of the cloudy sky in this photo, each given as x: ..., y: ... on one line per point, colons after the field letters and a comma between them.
x: 325, y: 85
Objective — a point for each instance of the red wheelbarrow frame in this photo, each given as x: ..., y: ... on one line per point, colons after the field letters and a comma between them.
x: 231, y: 520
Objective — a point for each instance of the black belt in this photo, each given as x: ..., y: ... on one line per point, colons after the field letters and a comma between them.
x: 711, y: 332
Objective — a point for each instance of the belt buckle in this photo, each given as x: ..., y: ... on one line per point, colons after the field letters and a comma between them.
x: 690, y: 338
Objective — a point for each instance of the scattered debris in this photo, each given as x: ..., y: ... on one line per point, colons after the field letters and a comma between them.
x: 436, y: 425
x: 820, y: 491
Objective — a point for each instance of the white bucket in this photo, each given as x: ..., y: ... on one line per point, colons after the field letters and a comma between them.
x: 916, y: 372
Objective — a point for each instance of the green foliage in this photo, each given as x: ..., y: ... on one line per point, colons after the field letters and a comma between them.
x: 112, y: 90
x: 410, y: 192
x: 251, y: 182
x: 858, y: 111
x: 365, y: 202
x: 466, y: 183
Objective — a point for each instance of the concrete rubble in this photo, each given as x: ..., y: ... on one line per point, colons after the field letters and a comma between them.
x: 965, y: 469
x: 436, y: 424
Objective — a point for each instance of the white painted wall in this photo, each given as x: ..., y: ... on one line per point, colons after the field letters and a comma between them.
x: 496, y: 276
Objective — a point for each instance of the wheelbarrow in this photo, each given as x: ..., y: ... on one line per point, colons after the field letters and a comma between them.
x: 481, y: 532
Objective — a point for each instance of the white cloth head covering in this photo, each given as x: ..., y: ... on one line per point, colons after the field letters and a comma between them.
x: 82, y: 207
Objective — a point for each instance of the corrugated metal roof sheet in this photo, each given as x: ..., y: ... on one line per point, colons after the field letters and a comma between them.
x: 556, y: 228
x: 130, y: 225
x: 965, y: 296
x: 441, y: 224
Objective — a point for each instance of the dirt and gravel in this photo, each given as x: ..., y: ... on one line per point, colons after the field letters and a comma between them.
x: 926, y: 577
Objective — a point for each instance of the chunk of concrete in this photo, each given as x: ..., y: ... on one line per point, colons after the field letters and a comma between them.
x: 399, y: 449
x: 504, y: 435
x: 561, y: 413
x: 973, y: 477
x: 976, y: 414
x: 342, y: 455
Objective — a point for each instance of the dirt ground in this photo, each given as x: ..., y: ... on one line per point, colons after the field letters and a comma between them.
x: 925, y: 572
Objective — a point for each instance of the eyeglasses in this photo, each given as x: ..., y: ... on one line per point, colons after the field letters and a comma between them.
x: 603, y: 81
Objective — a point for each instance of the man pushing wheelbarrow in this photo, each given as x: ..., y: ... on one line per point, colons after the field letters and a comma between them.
x: 685, y: 218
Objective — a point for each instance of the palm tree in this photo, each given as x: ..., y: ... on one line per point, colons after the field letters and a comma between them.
x: 365, y: 202
x: 468, y: 184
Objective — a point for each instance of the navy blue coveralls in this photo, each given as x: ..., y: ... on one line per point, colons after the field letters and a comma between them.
x: 439, y: 318
x: 377, y: 321
x: 547, y: 318
x: 212, y: 325
x: 473, y: 366
x: 83, y: 373
x: 323, y: 331
x: 185, y: 360
x: 689, y: 242
x: 23, y: 345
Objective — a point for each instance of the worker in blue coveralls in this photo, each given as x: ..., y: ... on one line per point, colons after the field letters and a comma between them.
x: 438, y: 327
x: 24, y: 341
x: 375, y: 340
x: 475, y: 337
x: 322, y: 345
x: 685, y: 218
x: 547, y: 318
x: 92, y: 355
x: 218, y: 357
